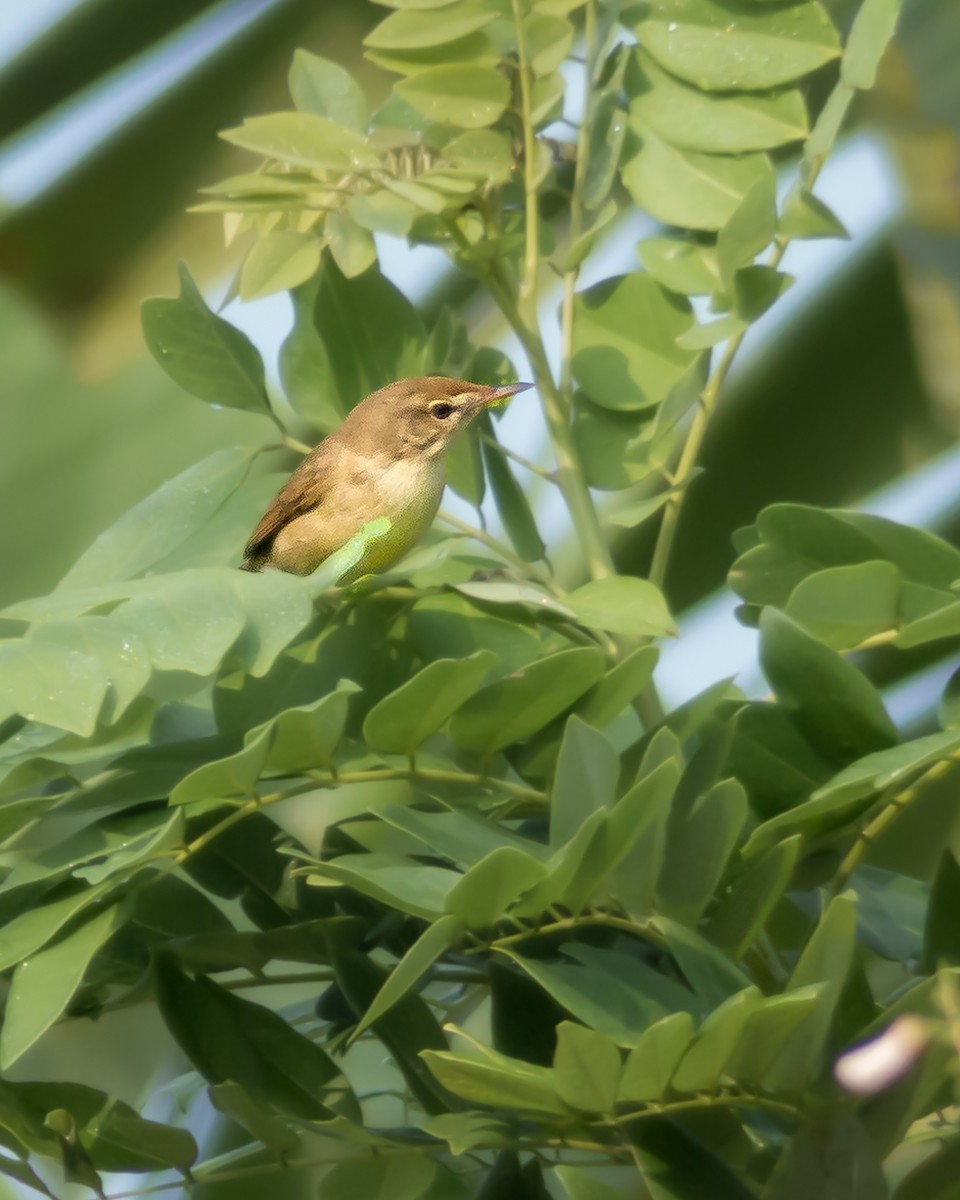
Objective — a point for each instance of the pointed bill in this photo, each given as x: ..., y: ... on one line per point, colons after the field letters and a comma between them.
x: 499, y: 394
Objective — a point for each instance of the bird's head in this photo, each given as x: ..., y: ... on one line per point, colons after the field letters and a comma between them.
x: 418, y: 418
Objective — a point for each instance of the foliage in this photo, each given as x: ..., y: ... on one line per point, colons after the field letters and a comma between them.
x: 589, y: 945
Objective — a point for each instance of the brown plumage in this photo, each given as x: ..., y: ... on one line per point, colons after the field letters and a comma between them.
x: 385, y: 460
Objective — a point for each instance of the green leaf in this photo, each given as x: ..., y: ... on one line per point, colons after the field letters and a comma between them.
x: 790, y: 541
x: 713, y: 123
x: 201, y: 352
x: 512, y: 503
x: 229, y: 1038
x: 621, y: 684
x: 406, y: 1030
x: 834, y: 703
x: 404, y: 719
x: 682, y: 266
x: 120, y: 652
x: 484, y: 895
x: 237, y: 1104
x: 704, y: 1062
x: 24, y: 1174
x: 475, y: 49
x: 844, y: 606
x: 617, y: 448
x: 306, y: 737
x: 585, y: 781
x: 613, y: 993
x: 826, y: 959
x: 739, y: 46
x: 32, y: 930
x: 352, y: 246
x: 704, y: 337
x: 52, y: 684
x: 699, y: 843
x: 320, y: 86
x: 696, y: 191
x: 513, y: 708
x: 936, y: 1176
x: 842, y: 798
x: 504, y: 591
x: 750, y: 229
x: 651, y: 1063
x: 769, y: 1029
x: 280, y: 260
x: 586, y: 1069
x: 450, y: 626
x: 398, y: 1177
x: 622, y: 604
x: 625, y: 353
x: 773, y: 760
x: 305, y: 140
x: 412, y: 29
x: 381, y: 212
x: 806, y: 216
x: 830, y: 1157
x: 462, y: 837
x: 873, y: 27
x: 743, y: 908
x: 639, y: 825
x: 226, y: 778
x: 398, y: 882
x: 277, y: 607
x: 708, y: 970
x: 608, y: 129
x: 160, y: 524
x: 497, y: 1081
x: 188, y: 624
x: 470, y: 97
x: 435, y: 940
x: 757, y: 288
x: 44, y: 984
x: 675, y: 1164
x: 581, y: 247
x: 941, y: 935
x: 483, y: 153
x: 350, y: 337
x: 548, y: 41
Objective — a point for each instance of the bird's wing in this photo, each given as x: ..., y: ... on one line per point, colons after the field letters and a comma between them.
x: 303, y: 491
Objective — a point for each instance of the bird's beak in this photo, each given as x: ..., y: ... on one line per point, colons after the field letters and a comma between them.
x: 498, y: 395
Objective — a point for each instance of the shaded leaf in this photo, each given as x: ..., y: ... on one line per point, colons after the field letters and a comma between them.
x: 515, y: 707
x: 586, y: 1068
x: 744, y: 46
x: 202, y: 352
x: 715, y: 123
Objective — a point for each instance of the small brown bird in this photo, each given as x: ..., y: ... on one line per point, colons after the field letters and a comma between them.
x: 385, y: 460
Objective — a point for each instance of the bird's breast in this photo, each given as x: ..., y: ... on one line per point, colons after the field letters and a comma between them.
x: 405, y: 492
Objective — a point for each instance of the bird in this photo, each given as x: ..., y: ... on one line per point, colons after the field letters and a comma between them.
x: 385, y: 460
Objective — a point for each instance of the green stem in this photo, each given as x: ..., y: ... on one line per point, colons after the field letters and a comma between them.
x: 428, y: 775
x: 891, y: 809
x: 528, y: 284
x: 698, y: 428
x: 492, y: 543
x: 569, y: 474
x: 526, y: 463
x: 734, y: 1100
x: 644, y: 930
x: 576, y: 201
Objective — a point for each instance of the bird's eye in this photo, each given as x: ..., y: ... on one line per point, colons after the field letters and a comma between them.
x: 442, y: 411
